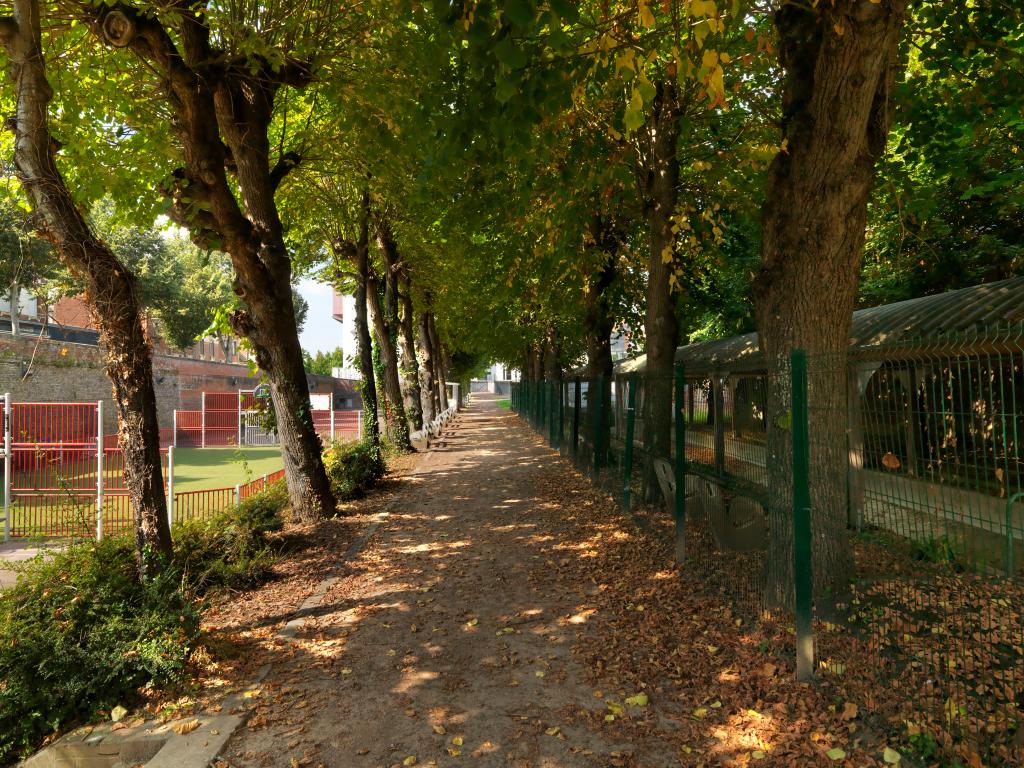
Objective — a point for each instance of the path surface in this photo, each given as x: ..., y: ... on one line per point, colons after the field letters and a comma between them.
x: 441, y: 644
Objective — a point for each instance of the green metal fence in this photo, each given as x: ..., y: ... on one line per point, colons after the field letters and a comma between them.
x: 874, y: 502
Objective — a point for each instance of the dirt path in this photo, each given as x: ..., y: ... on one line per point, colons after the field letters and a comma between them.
x: 438, y: 644
x: 507, y: 613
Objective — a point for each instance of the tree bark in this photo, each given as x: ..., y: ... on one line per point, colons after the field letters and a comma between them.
x: 428, y: 387
x: 395, y: 425
x: 371, y: 425
x: 840, y: 61
x: 110, y: 287
x: 661, y: 185
x: 14, y: 301
x: 439, y: 365
x: 223, y: 108
x: 598, y: 322
x: 401, y: 320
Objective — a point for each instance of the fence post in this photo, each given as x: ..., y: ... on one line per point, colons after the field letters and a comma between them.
x: 238, y: 495
x: 679, y: 466
x: 561, y: 414
x: 552, y: 405
x: 174, y: 437
x: 359, y: 425
x: 802, y: 572
x: 1008, y: 555
x: 170, y: 486
x: 239, y: 417
x: 202, y: 417
x: 332, y: 422
x: 99, y: 470
x: 598, y: 407
x: 8, y: 461
x: 577, y: 403
x: 627, y: 459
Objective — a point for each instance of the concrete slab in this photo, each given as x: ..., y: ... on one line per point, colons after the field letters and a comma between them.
x: 198, y: 748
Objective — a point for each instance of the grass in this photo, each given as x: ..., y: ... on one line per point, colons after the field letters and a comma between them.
x: 197, y: 469
x: 506, y: 404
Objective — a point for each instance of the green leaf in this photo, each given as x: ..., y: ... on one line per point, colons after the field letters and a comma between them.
x: 634, y: 116
x: 520, y: 12
x: 509, y: 54
x: 836, y: 753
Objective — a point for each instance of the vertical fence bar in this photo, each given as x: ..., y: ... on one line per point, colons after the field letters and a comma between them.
x: 202, y: 423
x: 598, y: 407
x: 238, y: 495
x: 174, y: 439
x: 718, y: 397
x: 239, y: 418
x: 561, y: 414
x: 332, y: 422
x: 577, y: 403
x: 679, y: 466
x: 802, y: 572
x: 170, y: 486
x: 99, y: 470
x: 627, y: 459
x: 552, y: 405
x: 8, y: 461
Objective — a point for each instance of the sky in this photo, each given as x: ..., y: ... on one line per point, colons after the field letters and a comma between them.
x: 322, y: 333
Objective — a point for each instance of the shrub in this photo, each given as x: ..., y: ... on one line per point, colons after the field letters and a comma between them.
x: 230, y: 549
x: 353, y: 468
x: 79, y: 633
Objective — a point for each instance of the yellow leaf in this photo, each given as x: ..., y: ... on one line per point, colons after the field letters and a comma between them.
x: 457, y: 741
x: 410, y: 760
x: 644, y: 12
x: 552, y: 731
x: 640, y: 700
x: 439, y: 730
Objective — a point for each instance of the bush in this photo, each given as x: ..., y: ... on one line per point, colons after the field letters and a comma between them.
x: 230, y: 549
x: 79, y: 633
x: 353, y: 468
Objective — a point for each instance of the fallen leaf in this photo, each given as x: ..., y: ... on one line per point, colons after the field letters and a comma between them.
x: 849, y: 711
x: 836, y: 753
x: 891, y: 756
x: 187, y: 727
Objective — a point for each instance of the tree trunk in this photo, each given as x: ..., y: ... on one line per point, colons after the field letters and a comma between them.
x: 14, y: 301
x: 371, y: 426
x: 409, y: 369
x: 222, y: 116
x: 395, y: 425
x: 840, y: 61
x: 598, y: 322
x: 439, y: 365
x: 661, y: 328
x: 428, y: 387
x: 110, y: 287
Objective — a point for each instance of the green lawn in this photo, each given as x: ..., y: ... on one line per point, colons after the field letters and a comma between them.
x: 506, y: 404
x: 197, y: 469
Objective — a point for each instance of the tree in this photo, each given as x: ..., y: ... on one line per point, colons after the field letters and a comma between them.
x: 322, y: 363
x: 111, y: 291
x: 221, y: 89
x: 27, y: 261
x: 840, y: 62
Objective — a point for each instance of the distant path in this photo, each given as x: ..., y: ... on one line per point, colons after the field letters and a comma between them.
x: 441, y: 632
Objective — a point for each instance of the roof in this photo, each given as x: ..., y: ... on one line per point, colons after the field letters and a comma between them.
x: 976, y: 314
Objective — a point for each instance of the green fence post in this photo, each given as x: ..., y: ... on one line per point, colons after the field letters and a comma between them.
x: 552, y: 406
x: 561, y: 413
x: 679, y: 466
x: 598, y: 407
x: 627, y: 458
x: 577, y: 403
x: 802, y: 572
x: 1008, y: 557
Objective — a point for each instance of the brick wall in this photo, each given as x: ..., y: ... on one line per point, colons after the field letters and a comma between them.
x: 74, y: 372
